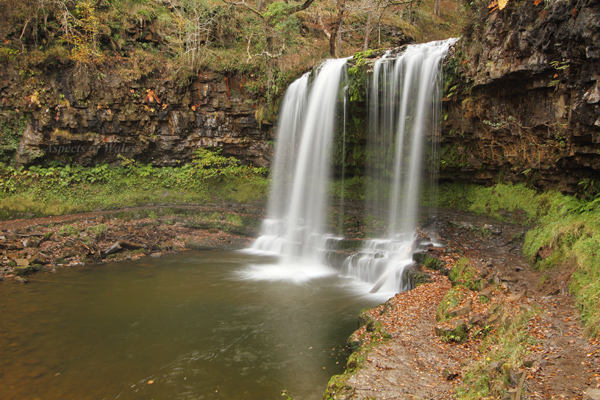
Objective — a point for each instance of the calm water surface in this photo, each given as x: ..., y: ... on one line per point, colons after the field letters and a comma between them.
x: 186, y: 326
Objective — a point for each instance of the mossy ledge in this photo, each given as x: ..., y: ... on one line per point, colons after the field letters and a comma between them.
x: 361, y: 342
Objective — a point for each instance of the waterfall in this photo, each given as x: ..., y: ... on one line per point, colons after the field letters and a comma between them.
x: 404, y: 99
x: 295, y: 224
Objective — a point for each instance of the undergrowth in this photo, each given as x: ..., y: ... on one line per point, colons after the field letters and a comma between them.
x: 569, y: 237
x: 565, y: 233
x: 502, y: 351
x: 504, y: 202
x: 58, y: 190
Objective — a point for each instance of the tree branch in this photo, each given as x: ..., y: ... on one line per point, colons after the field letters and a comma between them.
x: 243, y: 3
x: 301, y: 7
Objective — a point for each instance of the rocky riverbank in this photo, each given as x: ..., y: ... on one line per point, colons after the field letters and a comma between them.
x: 486, y: 326
x: 31, y: 245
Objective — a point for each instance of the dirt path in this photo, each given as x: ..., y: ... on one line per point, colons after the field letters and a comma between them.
x: 567, y: 363
x: 417, y: 364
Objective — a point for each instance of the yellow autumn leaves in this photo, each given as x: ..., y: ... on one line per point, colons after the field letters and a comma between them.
x: 500, y: 4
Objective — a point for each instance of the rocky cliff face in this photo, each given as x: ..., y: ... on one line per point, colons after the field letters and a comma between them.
x: 523, y: 97
x: 76, y: 116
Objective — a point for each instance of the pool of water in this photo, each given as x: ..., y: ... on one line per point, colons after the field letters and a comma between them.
x: 195, y: 325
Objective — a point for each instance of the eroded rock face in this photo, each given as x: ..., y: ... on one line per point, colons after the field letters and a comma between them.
x: 84, y: 118
x: 528, y: 107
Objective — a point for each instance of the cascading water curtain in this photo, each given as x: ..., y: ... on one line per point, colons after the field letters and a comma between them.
x: 295, y: 226
x: 404, y: 103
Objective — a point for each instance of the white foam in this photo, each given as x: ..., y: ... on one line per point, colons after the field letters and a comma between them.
x: 290, y: 272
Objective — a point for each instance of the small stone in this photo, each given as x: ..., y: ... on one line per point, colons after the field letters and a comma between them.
x: 24, y: 270
x: 461, y: 311
x: 492, y: 319
x: 592, y: 96
x: 496, y: 366
x: 518, y: 296
x: 38, y: 259
x: 22, y: 262
x: 458, y: 332
x: 487, y: 293
x: 508, y: 278
x: 513, y: 376
x: 592, y: 394
x: 529, y: 361
x: 477, y: 319
x: 449, y: 375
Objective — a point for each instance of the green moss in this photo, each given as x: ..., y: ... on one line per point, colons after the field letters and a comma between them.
x: 463, y: 273
x: 97, y: 229
x: 433, y: 263
x: 503, y: 202
x: 12, y: 126
x: 68, y: 230
x: 568, y: 237
x: 450, y: 301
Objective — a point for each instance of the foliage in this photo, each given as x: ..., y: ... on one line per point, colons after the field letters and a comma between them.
x: 504, y: 202
x: 97, y: 229
x: 198, y: 27
x: 569, y: 237
x: 450, y: 301
x: 463, y: 273
x: 68, y: 230
x: 352, y: 188
x: 565, y: 232
x: 82, y: 32
x: 269, y: 43
x: 11, y: 132
x: 357, y: 87
x: 505, y: 346
x: 65, y: 189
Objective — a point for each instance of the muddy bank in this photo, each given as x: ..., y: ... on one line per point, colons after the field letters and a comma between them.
x: 432, y: 342
x: 31, y: 245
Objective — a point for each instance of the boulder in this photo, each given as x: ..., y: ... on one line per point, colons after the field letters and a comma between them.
x: 461, y: 311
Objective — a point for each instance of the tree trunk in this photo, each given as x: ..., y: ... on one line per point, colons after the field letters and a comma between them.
x: 367, y: 32
x: 340, y: 44
x: 436, y: 8
x: 337, y: 23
